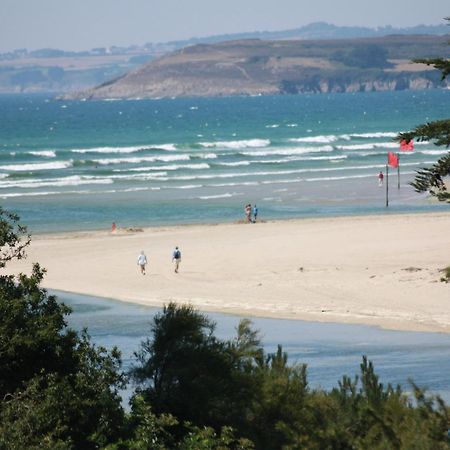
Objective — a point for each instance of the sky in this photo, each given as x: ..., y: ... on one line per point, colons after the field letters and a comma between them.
x: 86, y: 24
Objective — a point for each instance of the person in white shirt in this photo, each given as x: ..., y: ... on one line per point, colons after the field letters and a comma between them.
x: 142, y: 262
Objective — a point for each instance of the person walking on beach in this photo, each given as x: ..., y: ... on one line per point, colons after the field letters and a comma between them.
x: 255, y: 213
x: 142, y: 262
x: 176, y: 258
x: 380, y: 178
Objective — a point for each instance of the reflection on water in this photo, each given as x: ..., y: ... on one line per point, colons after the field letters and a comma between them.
x: 330, y: 350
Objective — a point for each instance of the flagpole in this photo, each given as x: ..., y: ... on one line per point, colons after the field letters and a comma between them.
x: 398, y: 171
x: 387, y: 185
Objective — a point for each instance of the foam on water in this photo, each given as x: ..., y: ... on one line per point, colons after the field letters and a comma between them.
x: 44, y: 153
x: 376, y: 135
x: 142, y: 176
x: 299, y: 158
x: 318, y: 139
x: 433, y: 152
x: 242, y: 183
x: 199, y: 166
x: 187, y: 186
x: 132, y: 149
x: 234, y: 164
x: 226, y: 195
x: 168, y: 147
x: 27, y: 167
x: 137, y: 160
x: 246, y: 143
x: 368, y: 146
x: 75, y: 180
x: 30, y: 194
x: 288, y: 151
x: 129, y: 149
x: 204, y: 156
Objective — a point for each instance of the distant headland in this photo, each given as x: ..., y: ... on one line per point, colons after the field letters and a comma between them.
x: 251, y: 67
x: 57, y: 71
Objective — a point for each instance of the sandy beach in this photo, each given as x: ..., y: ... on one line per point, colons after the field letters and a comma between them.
x: 380, y: 270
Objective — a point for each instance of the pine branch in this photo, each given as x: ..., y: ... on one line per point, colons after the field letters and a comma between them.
x: 438, y: 63
x: 438, y: 131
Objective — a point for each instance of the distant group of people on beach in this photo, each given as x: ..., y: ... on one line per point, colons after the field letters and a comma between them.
x: 249, y: 211
x: 176, y: 260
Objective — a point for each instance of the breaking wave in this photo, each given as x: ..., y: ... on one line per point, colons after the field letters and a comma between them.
x: 289, y: 151
x: 44, y: 153
x: 37, y: 166
x: 247, y: 143
x: 318, y: 139
x: 226, y: 195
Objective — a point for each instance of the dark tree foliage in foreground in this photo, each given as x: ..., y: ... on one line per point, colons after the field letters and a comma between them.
x: 269, y: 401
x: 57, y: 390
x: 432, y: 179
x: 13, y: 237
x: 186, y: 371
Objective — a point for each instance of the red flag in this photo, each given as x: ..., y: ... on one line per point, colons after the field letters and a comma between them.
x: 407, y: 146
x: 392, y: 159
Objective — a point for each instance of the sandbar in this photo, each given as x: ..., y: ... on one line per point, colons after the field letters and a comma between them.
x: 381, y: 270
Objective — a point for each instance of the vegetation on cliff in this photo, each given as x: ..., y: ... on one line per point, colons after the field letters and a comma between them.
x: 255, y: 67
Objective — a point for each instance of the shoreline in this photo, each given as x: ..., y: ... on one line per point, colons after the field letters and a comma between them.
x: 312, y: 318
x: 239, y: 219
x: 374, y: 270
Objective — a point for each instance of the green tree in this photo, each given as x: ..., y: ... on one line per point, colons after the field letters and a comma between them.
x: 363, y: 413
x: 150, y: 431
x: 432, y: 179
x: 13, y: 237
x: 281, y: 409
x: 186, y: 371
x: 57, y: 390
x: 33, y: 338
x: 196, y: 392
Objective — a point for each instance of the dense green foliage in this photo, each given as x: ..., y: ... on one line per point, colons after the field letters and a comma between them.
x: 57, y: 390
x: 195, y: 391
x: 279, y: 410
x: 432, y: 179
x: 13, y: 237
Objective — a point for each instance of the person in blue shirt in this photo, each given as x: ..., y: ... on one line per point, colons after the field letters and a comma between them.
x: 255, y: 213
x: 176, y: 258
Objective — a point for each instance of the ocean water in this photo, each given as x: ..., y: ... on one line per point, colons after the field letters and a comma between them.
x: 83, y: 165
x: 330, y: 350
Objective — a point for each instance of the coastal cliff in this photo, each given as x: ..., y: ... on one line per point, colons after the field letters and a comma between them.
x: 256, y: 67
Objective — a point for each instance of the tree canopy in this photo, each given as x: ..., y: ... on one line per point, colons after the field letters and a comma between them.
x: 57, y: 389
x: 432, y: 179
x: 266, y: 400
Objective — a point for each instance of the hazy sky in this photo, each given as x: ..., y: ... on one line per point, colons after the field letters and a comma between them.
x: 84, y: 24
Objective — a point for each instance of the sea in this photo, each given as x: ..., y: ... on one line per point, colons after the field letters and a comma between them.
x: 82, y: 165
